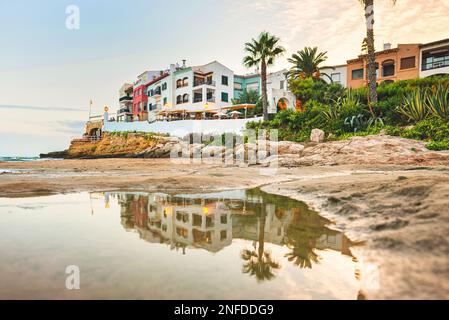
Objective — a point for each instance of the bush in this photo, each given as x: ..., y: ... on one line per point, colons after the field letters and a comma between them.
x: 430, y: 129
x: 438, y: 145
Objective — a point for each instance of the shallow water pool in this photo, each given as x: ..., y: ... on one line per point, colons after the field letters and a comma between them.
x: 243, y: 244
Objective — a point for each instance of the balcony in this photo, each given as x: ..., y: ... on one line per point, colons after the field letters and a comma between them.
x: 124, y: 110
x: 202, y: 82
x: 126, y: 98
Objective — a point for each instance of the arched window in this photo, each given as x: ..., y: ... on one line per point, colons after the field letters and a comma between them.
x: 388, y: 68
x: 185, y: 82
x: 185, y: 98
x: 179, y: 83
x: 179, y: 99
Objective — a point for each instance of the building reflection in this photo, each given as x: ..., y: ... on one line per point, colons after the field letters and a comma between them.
x: 212, y: 221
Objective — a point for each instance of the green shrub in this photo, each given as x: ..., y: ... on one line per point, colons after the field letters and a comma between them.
x: 430, y: 129
x: 438, y: 145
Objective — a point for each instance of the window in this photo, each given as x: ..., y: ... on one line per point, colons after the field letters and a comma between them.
x: 179, y: 83
x: 252, y: 86
x: 408, y: 63
x: 164, y: 101
x: 224, y: 80
x: 336, y: 77
x: 224, y: 97
x: 357, y: 74
x: 435, y: 59
x: 388, y: 68
x: 223, y: 219
x: 164, y: 86
x: 185, y: 98
x: 237, y: 86
x: 185, y: 82
x: 179, y: 99
x: 282, y: 84
x: 151, y: 93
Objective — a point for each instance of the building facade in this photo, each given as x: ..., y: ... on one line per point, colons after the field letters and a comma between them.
x: 336, y: 74
x: 125, y: 111
x: 401, y: 63
x: 434, y: 57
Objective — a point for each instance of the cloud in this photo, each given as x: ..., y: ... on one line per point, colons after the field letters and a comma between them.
x: 339, y: 28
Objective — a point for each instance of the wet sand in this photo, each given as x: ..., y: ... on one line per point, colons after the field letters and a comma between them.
x: 400, y: 213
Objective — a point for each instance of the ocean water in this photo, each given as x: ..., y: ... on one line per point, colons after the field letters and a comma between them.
x: 19, y: 159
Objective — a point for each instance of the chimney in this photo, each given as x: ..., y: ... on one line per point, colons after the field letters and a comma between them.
x: 184, y: 63
x: 387, y: 46
x: 172, y: 68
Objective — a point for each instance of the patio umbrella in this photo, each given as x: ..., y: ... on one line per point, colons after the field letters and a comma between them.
x: 235, y: 112
x: 220, y: 114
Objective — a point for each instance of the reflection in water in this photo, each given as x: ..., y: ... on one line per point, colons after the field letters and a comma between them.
x: 212, y: 221
x: 227, y: 245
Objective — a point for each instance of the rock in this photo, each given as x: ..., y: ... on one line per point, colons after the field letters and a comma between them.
x: 288, y: 147
x: 375, y: 149
x: 54, y: 155
x: 317, y: 135
x: 213, y: 151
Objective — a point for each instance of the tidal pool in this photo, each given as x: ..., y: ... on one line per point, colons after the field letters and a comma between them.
x: 243, y: 244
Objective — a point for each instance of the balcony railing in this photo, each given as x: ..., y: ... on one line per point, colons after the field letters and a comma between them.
x: 198, y: 83
x: 125, y: 98
x: 124, y: 110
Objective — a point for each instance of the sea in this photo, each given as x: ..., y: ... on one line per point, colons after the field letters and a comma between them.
x: 19, y: 159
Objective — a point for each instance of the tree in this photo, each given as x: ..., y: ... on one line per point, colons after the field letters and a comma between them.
x: 247, y: 96
x: 262, y: 52
x: 306, y: 64
x: 372, y: 77
x: 251, y: 97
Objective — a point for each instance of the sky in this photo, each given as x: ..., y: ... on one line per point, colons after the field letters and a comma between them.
x: 49, y: 73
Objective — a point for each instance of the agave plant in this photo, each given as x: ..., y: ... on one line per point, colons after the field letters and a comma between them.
x: 356, y: 123
x: 415, y: 107
x: 438, y: 101
x: 333, y: 112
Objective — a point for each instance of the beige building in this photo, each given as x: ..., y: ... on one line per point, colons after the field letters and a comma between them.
x: 393, y: 64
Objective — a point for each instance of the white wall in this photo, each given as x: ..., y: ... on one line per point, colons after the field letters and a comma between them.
x: 181, y: 128
x: 342, y: 70
x: 277, y: 88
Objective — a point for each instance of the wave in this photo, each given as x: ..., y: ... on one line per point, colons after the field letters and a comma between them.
x: 19, y: 159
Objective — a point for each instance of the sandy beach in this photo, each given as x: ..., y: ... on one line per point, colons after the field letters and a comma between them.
x: 399, y: 213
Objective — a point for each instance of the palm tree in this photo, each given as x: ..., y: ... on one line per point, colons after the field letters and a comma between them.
x: 262, y: 52
x: 306, y: 63
x: 369, y: 17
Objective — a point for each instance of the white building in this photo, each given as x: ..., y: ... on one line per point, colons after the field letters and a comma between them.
x: 278, y: 95
x: 434, y: 58
x: 195, y: 88
x: 335, y: 74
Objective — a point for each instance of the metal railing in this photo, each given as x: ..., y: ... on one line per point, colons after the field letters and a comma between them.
x: 198, y: 83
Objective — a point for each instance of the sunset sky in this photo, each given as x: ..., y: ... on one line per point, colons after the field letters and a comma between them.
x: 48, y: 73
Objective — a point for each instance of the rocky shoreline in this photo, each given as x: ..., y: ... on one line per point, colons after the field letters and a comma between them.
x: 375, y: 149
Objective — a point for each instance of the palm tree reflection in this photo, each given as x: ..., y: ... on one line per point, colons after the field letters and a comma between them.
x: 260, y: 263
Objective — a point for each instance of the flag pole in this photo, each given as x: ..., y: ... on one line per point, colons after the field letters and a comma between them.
x: 90, y: 109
